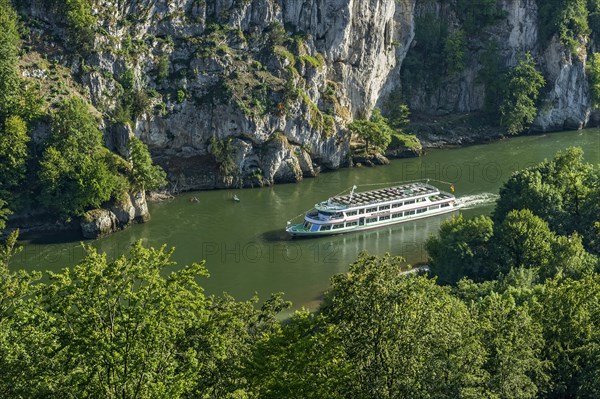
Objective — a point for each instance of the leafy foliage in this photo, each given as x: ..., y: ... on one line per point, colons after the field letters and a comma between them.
x: 81, y: 23
x: 75, y: 169
x: 9, y: 58
x: 124, y: 340
x: 375, y: 131
x: 563, y: 191
x: 145, y: 175
x: 4, y: 213
x: 380, y: 314
x: 461, y: 250
x: 566, y: 18
x: 523, y: 84
x: 492, y: 74
x: 455, y: 50
x: 13, y: 153
x: 593, y: 72
x: 224, y: 153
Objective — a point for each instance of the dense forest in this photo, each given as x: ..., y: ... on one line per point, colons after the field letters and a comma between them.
x: 511, y: 309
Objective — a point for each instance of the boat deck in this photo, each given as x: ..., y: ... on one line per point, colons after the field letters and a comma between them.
x: 384, y: 195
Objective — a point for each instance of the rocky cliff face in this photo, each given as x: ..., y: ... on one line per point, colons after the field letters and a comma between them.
x: 274, y: 82
x: 566, y: 101
x: 333, y: 64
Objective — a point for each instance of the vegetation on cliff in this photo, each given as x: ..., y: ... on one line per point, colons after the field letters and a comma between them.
x: 70, y: 171
x: 519, y: 318
x: 522, y: 88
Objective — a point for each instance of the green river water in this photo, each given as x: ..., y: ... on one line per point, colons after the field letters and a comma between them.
x: 244, y: 243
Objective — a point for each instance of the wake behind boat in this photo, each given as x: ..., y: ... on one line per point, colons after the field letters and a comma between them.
x: 372, y: 209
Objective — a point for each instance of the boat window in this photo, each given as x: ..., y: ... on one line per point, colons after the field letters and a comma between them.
x: 384, y: 217
x: 371, y: 220
x: 407, y: 213
x: 397, y: 204
x: 350, y: 224
x: 326, y: 228
x: 371, y: 210
x: 338, y: 226
x: 409, y: 202
x: 361, y: 211
x: 397, y: 215
x: 431, y: 208
x: 420, y: 199
x: 353, y: 213
x: 384, y: 207
x: 421, y: 210
x: 445, y: 205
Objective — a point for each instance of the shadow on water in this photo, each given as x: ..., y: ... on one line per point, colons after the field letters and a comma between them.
x: 50, y: 238
x: 274, y: 236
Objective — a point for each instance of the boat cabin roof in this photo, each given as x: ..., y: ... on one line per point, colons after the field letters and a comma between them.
x: 377, y: 196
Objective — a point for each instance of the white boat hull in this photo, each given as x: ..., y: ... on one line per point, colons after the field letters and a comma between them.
x: 370, y: 226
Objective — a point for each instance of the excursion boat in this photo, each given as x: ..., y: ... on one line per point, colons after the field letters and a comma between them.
x: 372, y: 209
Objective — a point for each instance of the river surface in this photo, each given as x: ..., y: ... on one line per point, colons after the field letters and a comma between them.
x: 244, y: 243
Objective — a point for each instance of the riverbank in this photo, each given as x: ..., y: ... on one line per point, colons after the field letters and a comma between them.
x: 441, y: 133
x: 245, y: 245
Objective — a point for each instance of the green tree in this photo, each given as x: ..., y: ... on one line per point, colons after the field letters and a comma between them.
x: 523, y: 84
x: 74, y: 170
x: 396, y: 110
x: 568, y: 19
x: 570, y: 314
x: 223, y: 152
x: 492, y: 73
x: 145, y: 175
x: 461, y: 250
x: 13, y: 153
x: 26, y: 343
x: 513, y: 341
x: 562, y: 191
x: 455, y: 51
x: 405, y: 336
x: 593, y: 73
x: 81, y: 24
x: 225, y: 345
x: 375, y: 131
x: 4, y: 214
x: 9, y: 58
x: 122, y: 325
x: 302, y: 358
x: 522, y: 240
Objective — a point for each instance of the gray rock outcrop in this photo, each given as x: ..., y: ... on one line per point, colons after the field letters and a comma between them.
x: 98, y: 222
x: 132, y: 208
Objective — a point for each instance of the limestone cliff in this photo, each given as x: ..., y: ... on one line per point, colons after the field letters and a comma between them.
x: 253, y: 92
x: 566, y: 102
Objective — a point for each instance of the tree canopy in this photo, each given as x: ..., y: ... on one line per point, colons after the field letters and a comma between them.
x: 523, y: 83
x: 9, y: 58
x: 375, y: 131
x: 77, y: 172
x: 145, y: 175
